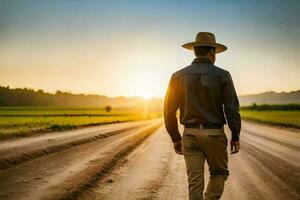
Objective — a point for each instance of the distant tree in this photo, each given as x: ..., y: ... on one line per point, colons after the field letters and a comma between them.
x: 254, y: 106
x: 108, y: 108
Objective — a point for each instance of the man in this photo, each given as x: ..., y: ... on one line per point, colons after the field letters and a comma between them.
x: 205, y: 96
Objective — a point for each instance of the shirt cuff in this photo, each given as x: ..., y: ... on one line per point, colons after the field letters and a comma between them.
x: 235, y: 137
x: 176, y: 137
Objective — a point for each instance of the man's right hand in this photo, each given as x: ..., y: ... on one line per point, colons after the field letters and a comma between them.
x: 234, y: 146
x: 178, y: 147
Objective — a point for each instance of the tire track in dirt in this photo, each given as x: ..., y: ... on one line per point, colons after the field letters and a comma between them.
x: 287, y: 175
x: 16, y: 159
x: 291, y: 146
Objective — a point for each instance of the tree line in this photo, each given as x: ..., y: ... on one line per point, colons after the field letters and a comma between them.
x: 254, y: 106
x: 30, y: 97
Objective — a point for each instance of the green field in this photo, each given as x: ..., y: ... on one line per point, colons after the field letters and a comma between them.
x: 285, y: 118
x: 24, y: 121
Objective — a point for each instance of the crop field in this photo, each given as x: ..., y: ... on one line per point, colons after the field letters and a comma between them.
x: 24, y: 121
x: 285, y: 118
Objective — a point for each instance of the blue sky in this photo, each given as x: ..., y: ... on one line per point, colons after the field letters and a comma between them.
x: 132, y: 47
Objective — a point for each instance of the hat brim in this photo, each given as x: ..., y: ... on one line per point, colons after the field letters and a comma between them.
x: 219, y: 47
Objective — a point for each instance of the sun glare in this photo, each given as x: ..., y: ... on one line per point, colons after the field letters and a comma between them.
x: 147, y: 94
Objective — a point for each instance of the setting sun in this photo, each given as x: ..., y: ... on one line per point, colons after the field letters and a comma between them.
x: 147, y: 94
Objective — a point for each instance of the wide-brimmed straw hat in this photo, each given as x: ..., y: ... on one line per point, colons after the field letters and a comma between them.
x: 205, y: 39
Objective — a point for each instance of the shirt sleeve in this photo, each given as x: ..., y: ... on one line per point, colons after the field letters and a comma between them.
x: 231, y: 108
x: 170, y: 108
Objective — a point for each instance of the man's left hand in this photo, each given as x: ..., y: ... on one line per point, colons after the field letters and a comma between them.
x: 178, y: 147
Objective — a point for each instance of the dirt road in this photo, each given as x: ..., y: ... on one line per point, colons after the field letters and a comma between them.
x: 136, y: 161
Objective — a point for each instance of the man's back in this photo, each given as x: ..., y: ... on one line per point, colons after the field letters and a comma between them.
x: 200, y: 91
x: 199, y: 88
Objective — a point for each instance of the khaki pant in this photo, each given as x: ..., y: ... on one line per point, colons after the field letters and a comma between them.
x: 210, y: 145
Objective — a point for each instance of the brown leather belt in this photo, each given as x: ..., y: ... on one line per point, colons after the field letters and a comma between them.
x: 204, y: 126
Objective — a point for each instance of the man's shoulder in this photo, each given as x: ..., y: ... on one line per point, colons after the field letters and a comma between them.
x: 221, y: 71
x: 180, y: 72
x: 191, y: 68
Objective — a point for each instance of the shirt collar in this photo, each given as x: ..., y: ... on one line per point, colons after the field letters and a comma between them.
x: 201, y: 60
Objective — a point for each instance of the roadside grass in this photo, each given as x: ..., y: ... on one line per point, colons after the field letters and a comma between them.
x: 62, y: 111
x: 284, y: 118
x: 25, y: 121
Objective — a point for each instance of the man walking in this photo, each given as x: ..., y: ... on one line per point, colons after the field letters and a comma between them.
x: 205, y: 96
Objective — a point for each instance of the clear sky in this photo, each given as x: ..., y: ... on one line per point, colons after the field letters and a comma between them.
x: 130, y: 48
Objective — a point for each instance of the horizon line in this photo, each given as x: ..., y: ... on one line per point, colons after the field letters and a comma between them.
x: 124, y: 96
